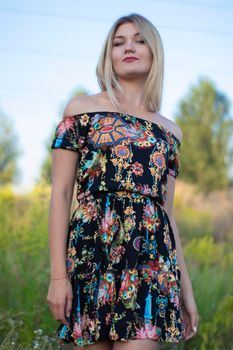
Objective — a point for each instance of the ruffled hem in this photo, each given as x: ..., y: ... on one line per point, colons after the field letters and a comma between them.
x: 91, y: 335
x: 143, y: 304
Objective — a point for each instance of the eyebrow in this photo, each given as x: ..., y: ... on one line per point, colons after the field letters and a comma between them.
x: 122, y: 36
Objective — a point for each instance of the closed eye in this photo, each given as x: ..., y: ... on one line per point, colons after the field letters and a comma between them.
x: 138, y: 41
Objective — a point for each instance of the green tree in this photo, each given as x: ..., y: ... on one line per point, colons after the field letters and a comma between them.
x: 9, y: 151
x: 45, y: 175
x: 207, y: 153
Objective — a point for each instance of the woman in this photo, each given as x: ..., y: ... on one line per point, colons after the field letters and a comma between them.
x: 119, y: 279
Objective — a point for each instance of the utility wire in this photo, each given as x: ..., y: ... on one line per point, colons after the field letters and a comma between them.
x: 196, y: 4
x: 86, y: 56
x: 50, y: 14
x: 80, y: 18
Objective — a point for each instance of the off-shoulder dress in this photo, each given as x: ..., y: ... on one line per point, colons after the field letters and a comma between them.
x: 121, y: 253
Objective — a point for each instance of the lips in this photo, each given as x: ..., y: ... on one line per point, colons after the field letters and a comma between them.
x: 130, y: 59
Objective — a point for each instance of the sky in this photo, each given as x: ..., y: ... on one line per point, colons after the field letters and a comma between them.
x: 49, y: 49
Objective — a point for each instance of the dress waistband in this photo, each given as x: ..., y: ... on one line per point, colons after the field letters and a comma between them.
x: 133, y: 196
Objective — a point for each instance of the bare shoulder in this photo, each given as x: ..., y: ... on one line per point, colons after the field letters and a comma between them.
x: 80, y: 104
x: 173, y: 127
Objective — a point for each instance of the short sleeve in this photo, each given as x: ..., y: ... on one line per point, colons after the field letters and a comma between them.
x: 70, y: 133
x: 174, y: 156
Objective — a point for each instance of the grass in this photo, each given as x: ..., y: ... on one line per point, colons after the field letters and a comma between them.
x: 25, y: 320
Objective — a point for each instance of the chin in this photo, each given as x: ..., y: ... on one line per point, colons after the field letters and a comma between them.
x: 132, y: 74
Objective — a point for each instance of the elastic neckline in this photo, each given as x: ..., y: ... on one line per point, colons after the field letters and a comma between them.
x: 133, y: 116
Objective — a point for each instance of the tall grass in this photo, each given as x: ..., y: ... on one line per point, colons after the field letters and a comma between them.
x: 206, y: 231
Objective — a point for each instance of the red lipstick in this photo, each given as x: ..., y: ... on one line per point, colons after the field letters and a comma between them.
x: 130, y: 58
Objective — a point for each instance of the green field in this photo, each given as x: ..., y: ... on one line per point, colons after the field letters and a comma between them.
x: 206, y: 230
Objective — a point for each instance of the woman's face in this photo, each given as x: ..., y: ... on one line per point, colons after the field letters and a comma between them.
x: 127, y: 42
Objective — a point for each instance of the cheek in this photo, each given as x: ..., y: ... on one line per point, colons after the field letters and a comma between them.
x: 116, y: 57
x: 146, y: 53
x: 149, y: 58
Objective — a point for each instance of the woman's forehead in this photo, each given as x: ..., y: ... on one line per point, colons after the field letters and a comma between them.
x: 126, y: 29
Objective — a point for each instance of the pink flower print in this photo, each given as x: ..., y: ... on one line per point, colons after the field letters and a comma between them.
x: 106, y: 291
x: 101, y: 294
x: 91, y: 324
x: 116, y: 254
x: 149, y: 210
x: 66, y: 123
x: 147, y: 274
x: 85, y: 319
x: 106, y: 233
x: 144, y: 189
x: 149, y: 331
x: 77, y: 330
x: 140, y: 333
x: 108, y: 317
x: 176, y: 301
x: 89, y: 211
x: 129, y: 286
x: 137, y: 169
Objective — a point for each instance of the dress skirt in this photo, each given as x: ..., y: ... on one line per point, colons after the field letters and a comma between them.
x: 122, y: 263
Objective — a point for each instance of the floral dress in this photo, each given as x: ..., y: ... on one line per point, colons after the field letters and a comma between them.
x: 121, y: 254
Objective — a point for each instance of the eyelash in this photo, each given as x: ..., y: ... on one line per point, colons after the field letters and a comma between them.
x: 139, y: 41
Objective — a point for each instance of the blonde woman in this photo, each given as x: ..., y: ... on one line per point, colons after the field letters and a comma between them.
x: 118, y: 275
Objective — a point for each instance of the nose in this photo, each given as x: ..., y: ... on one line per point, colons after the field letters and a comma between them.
x: 129, y: 46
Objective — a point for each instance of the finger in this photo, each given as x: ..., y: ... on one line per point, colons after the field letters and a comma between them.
x: 55, y: 312
x: 186, y: 320
x: 61, y: 314
x: 194, y: 321
x: 187, y: 332
x: 188, y: 336
x: 190, y: 332
x: 62, y: 317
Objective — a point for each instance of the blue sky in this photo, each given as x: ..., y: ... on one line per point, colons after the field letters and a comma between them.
x: 48, y: 49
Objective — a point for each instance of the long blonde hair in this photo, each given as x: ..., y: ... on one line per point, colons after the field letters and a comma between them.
x: 106, y: 77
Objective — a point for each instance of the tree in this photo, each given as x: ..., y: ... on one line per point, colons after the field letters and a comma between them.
x: 45, y: 175
x: 206, y: 150
x: 9, y: 172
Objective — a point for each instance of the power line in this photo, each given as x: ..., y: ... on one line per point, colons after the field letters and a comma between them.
x: 74, y: 17
x: 50, y: 14
x: 199, y: 4
x: 197, y: 31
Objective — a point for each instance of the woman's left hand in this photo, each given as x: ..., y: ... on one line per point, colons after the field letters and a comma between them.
x: 190, y: 313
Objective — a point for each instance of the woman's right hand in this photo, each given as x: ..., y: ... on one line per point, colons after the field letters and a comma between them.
x: 190, y: 312
x: 60, y: 298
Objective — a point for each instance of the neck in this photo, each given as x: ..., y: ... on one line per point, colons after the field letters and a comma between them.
x: 132, y: 98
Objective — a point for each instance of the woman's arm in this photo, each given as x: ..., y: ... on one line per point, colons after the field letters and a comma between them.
x: 186, y: 286
x: 64, y: 168
x: 190, y: 311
